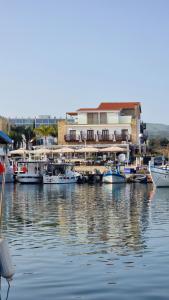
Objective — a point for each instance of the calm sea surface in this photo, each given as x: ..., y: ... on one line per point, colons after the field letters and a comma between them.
x: 87, y: 242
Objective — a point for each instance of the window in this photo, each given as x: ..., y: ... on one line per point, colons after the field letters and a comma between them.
x: 105, y: 134
x: 103, y: 118
x: 90, y: 135
x: 72, y: 134
x: 92, y: 118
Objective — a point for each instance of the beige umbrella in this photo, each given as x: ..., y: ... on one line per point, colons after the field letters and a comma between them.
x: 87, y: 149
x: 41, y: 151
x: 63, y: 150
x: 113, y: 149
x: 20, y: 151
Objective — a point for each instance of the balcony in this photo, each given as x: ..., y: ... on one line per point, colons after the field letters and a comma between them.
x: 105, y: 137
x: 110, y: 120
x: 90, y: 137
x: 96, y: 138
x: 72, y: 138
x: 125, y: 119
x: 80, y: 138
x: 113, y: 137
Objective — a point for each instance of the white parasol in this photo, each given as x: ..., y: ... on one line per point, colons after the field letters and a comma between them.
x: 113, y: 149
x: 19, y: 151
x: 64, y: 150
x: 87, y: 149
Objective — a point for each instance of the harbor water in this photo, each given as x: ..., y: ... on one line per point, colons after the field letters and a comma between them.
x: 91, y: 242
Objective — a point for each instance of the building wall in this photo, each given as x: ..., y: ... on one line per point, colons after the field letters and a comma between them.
x: 135, y: 125
x: 4, y: 124
x: 61, y: 132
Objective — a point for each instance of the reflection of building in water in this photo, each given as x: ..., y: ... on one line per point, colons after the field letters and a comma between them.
x: 115, y: 216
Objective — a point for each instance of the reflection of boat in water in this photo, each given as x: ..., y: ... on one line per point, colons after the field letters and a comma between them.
x: 30, y: 171
x: 160, y: 175
x: 117, y: 192
x: 57, y: 173
x: 113, y: 176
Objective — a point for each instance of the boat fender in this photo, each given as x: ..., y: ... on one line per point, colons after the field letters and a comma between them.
x: 6, y: 268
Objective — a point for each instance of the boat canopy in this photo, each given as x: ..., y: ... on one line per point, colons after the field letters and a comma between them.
x: 4, y: 138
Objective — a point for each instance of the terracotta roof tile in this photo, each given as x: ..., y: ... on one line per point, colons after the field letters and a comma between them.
x: 117, y: 105
x: 113, y: 106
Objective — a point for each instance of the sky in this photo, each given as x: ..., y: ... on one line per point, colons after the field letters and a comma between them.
x: 60, y: 55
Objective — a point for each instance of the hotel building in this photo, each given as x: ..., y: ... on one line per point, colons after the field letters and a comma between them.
x: 109, y: 123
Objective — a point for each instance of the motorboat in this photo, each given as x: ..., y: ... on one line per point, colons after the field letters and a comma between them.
x: 30, y: 171
x: 160, y: 175
x: 60, y: 173
x: 113, y: 176
x: 138, y: 178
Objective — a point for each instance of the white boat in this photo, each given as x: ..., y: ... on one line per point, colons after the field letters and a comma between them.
x: 138, y: 178
x: 8, y: 170
x: 113, y: 177
x: 60, y: 174
x: 160, y: 175
x: 30, y: 171
x: 9, y: 176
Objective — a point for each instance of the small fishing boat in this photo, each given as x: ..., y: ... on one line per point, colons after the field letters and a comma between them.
x: 138, y: 178
x: 60, y: 173
x: 113, y: 176
x: 30, y: 171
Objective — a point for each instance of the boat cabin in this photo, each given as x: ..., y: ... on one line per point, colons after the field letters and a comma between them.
x: 58, y: 168
x: 32, y: 167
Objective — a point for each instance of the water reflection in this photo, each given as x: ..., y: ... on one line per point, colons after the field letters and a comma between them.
x: 88, y: 242
x: 113, y: 218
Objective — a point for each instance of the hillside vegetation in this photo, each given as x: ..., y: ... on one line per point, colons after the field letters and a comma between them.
x: 158, y: 130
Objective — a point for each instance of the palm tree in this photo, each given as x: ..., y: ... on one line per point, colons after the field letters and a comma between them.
x: 54, y: 130
x: 16, y: 134
x: 21, y: 134
x: 29, y: 135
x: 43, y: 131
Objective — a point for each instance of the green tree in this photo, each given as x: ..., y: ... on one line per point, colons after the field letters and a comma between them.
x: 29, y: 135
x: 54, y: 130
x: 164, y: 142
x: 43, y: 131
x: 21, y: 134
x: 16, y: 134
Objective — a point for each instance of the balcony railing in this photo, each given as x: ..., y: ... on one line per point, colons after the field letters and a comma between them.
x: 72, y: 138
x: 104, y: 137
x: 98, y: 138
x: 79, y: 138
x: 115, y: 121
x: 114, y: 137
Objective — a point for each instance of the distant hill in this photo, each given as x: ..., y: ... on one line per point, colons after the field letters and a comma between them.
x: 158, y: 130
